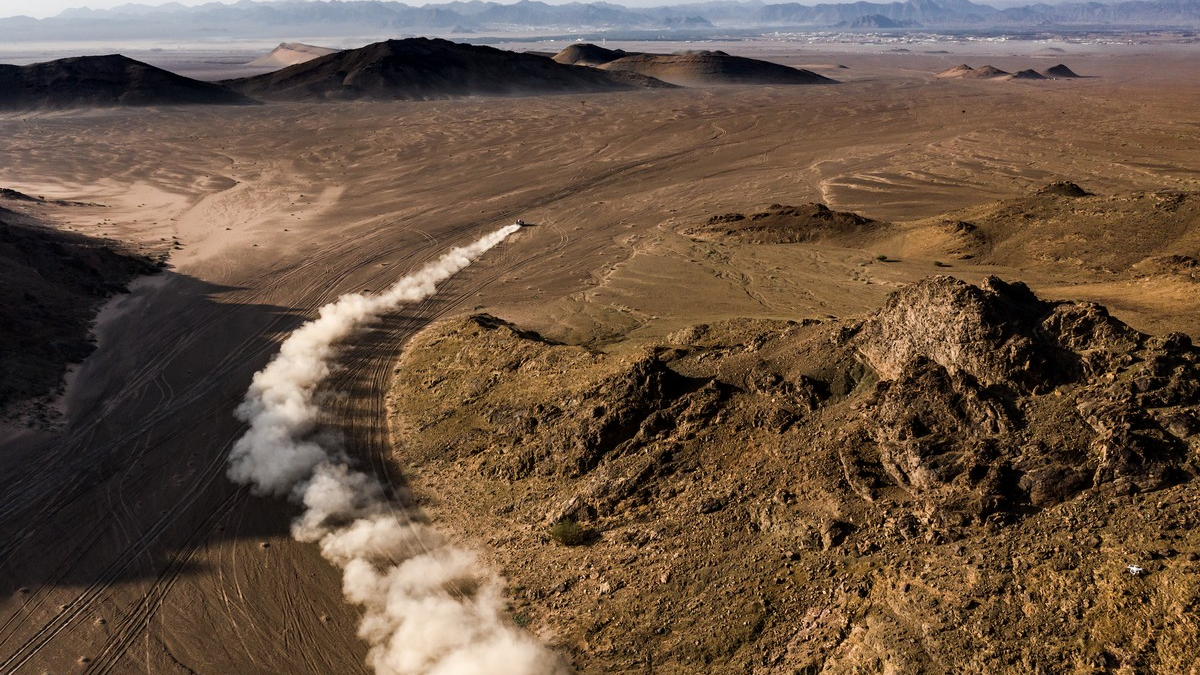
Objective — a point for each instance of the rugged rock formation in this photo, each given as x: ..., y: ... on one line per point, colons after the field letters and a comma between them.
x: 1063, y: 188
x: 800, y: 496
x: 990, y: 333
x: 968, y: 369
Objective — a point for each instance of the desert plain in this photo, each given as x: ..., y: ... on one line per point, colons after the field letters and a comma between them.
x: 126, y: 549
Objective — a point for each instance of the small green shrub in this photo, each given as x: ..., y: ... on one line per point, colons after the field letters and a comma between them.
x: 522, y: 620
x: 568, y: 533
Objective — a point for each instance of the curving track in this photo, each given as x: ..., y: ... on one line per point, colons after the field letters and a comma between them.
x: 125, y: 548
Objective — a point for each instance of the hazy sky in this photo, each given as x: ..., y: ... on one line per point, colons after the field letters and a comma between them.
x: 44, y: 8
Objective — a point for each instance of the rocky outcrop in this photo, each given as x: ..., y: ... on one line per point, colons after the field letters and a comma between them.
x: 991, y: 333
x: 783, y: 224
x: 973, y: 400
x: 544, y: 408
x: 967, y: 416
x: 1063, y: 188
x: 799, y: 496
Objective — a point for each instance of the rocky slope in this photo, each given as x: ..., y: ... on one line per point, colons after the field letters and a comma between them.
x: 923, y: 489
x: 51, y: 284
x: 1063, y: 224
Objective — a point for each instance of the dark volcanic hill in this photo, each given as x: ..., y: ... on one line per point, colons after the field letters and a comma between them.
x: 1061, y: 70
x: 713, y: 67
x: 1028, y: 74
x: 103, y: 81
x: 422, y: 68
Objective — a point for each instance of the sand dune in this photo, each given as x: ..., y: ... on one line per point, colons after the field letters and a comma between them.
x: 588, y: 55
x: 103, y: 81
x: 956, y: 71
x: 420, y: 68
x: 291, y: 53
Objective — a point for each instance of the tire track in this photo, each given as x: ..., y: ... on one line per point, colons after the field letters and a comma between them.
x: 310, y: 282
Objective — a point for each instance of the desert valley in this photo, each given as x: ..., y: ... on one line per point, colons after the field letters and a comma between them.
x: 808, y: 358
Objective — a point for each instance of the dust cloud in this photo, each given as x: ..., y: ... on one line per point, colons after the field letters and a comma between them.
x: 429, y: 608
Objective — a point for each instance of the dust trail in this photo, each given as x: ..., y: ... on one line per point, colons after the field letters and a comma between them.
x: 429, y: 608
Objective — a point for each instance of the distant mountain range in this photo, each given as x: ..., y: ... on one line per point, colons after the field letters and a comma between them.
x: 249, y: 18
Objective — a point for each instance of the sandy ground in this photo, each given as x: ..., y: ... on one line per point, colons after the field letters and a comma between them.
x: 126, y: 550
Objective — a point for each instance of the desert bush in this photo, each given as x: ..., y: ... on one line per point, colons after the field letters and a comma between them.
x: 568, y: 533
